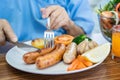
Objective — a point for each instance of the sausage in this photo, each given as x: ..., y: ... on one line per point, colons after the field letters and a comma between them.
x: 52, y: 58
x: 81, y: 47
x: 30, y: 57
x: 70, y: 53
x: 46, y: 50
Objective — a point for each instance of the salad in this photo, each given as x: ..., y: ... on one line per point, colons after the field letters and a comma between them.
x: 109, y: 15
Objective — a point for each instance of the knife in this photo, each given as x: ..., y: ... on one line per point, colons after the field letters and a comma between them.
x: 24, y: 46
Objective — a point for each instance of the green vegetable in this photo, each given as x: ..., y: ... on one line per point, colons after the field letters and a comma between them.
x: 80, y: 38
x: 110, y: 6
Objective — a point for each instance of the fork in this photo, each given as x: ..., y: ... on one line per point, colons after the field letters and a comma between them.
x: 48, y: 36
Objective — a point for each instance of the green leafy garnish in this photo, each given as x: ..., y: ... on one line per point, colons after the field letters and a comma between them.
x: 110, y: 6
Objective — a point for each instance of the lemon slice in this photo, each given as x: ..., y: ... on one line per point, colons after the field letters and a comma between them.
x: 98, y: 54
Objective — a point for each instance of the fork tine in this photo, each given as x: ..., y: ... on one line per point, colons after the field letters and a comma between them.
x: 53, y: 40
x: 45, y: 40
x: 49, y: 40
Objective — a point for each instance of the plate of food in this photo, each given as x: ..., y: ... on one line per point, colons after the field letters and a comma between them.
x: 69, y: 55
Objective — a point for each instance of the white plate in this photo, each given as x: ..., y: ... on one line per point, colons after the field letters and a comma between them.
x: 14, y: 58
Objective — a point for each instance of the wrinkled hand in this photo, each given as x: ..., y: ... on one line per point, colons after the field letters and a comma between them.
x: 58, y: 16
x: 6, y: 32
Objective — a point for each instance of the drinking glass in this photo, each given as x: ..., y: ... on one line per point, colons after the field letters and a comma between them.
x: 116, y: 43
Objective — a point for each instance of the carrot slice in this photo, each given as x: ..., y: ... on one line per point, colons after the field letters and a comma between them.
x: 84, y: 61
x: 73, y: 65
x: 80, y: 65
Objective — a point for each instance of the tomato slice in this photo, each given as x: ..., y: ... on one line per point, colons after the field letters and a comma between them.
x: 63, y: 39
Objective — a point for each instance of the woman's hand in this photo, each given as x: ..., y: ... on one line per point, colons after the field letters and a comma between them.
x: 59, y: 18
x: 6, y: 32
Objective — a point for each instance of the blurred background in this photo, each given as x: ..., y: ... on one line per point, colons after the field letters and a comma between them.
x: 94, y: 4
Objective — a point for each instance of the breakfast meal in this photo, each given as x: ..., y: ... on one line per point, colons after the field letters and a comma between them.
x: 76, y: 52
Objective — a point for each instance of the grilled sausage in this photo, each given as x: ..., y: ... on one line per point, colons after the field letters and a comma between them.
x: 70, y: 53
x: 30, y: 57
x: 52, y: 58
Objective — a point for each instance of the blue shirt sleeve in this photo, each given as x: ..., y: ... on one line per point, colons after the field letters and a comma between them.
x: 81, y: 13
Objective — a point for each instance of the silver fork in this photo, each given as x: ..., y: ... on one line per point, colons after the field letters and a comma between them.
x: 48, y: 36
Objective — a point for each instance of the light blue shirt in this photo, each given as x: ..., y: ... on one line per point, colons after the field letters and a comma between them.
x: 25, y: 18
